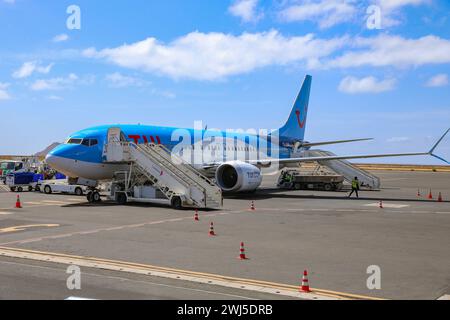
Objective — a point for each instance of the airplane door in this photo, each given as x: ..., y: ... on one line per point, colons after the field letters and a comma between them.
x: 114, y: 149
x: 114, y: 135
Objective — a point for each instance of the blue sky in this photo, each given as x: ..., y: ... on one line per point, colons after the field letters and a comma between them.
x: 231, y: 64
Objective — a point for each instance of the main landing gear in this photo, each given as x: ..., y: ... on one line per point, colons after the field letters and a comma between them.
x: 93, y: 196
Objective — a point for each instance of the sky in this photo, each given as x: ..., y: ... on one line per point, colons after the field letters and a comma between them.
x: 380, y: 69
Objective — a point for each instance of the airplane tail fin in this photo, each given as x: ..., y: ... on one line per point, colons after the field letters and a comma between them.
x: 294, y: 128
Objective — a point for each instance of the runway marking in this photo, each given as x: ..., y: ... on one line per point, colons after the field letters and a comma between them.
x: 37, y: 205
x: 5, y: 213
x: 77, y: 298
x: 75, y: 199
x: 180, y: 274
x: 388, y: 205
x: 55, y: 202
x: 129, y: 226
x: 24, y: 227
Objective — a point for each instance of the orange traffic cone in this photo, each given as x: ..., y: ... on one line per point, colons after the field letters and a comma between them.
x: 440, y: 197
x: 305, y: 283
x: 242, y: 252
x: 252, y: 206
x: 430, y: 195
x: 196, y: 215
x: 211, y: 230
x: 381, y: 204
x: 18, y: 204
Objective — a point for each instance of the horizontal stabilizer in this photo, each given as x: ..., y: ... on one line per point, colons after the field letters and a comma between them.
x: 314, y: 144
x: 325, y: 158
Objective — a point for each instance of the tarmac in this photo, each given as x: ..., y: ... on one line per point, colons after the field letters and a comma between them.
x: 142, y: 251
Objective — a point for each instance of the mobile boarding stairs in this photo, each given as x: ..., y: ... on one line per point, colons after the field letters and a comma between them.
x: 156, y: 175
x: 346, y: 169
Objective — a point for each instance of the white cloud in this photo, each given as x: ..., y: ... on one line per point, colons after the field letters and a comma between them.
x: 398, y: 139
x: 326, y: 13
x: 396, y: 4
x: 28, y: 68
x: 439, y: 80
x: 117, y: 80
x: 391, y: 9
x: 246, y: 10
x: 9, y: 1
x: 396, y: 51
x: 4, y: 95
x: 354, y: 85
x: 211, y: 56
x: 54, y: 83
x: 55, y: 98
x: 60, y: 37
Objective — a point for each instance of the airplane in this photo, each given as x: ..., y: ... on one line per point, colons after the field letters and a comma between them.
x: 235, y: 163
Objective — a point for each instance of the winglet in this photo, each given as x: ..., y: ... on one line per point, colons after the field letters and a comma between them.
x: 435, y: 146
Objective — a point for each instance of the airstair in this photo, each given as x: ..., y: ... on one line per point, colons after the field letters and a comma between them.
x: 154, y: 165
x: 346, y: 169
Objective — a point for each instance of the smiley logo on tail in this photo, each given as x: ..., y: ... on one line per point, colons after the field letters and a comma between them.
x: 301, y: 124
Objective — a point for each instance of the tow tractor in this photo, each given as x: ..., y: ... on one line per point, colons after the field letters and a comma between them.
x: 296, y: 180
x: 61, y: 186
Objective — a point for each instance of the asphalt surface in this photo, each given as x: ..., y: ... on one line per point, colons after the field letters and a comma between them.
x: 335, y: 238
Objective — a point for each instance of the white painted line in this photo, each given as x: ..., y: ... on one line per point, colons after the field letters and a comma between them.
x: 5, y: 213
x: 77, y: 298
x: 445, y: 297
x: 387, y: 205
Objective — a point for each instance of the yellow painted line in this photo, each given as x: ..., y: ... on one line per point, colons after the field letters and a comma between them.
x: 55, y: 202
x: 208, y: 278
x: 28, y: 226
x: 30, y: 206
x: 127, y: 226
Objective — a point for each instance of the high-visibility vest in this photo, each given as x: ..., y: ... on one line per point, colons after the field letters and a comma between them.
x: 355, y: 184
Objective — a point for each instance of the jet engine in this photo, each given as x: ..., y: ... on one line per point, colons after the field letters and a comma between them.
x: 238, y: 176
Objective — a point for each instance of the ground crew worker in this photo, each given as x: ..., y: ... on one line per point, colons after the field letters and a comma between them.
x: 355, y: 187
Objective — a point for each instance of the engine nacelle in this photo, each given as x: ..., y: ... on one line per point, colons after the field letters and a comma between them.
x: 238, y: 176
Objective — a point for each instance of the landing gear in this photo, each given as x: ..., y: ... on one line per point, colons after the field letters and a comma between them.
x: 93, y: 196
x: 176, y: 203
x: 121, y: 198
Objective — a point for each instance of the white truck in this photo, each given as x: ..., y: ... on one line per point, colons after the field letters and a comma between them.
x: 61, y: 186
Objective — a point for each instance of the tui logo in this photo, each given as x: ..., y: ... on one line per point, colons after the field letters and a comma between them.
x: 301, y: 124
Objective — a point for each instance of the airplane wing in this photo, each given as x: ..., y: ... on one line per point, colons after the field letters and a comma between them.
x: 313, y: 144
x: 264, y: 162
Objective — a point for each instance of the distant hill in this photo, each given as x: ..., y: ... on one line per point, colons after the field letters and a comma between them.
x: 44, y: 152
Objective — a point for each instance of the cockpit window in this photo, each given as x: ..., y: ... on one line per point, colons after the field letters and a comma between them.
x: 89, y: 142
x: 85, y: 142
x: 74, y: 141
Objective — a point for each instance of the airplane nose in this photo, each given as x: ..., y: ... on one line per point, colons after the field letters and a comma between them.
x: 50, y: 159
x: 54, y: 159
